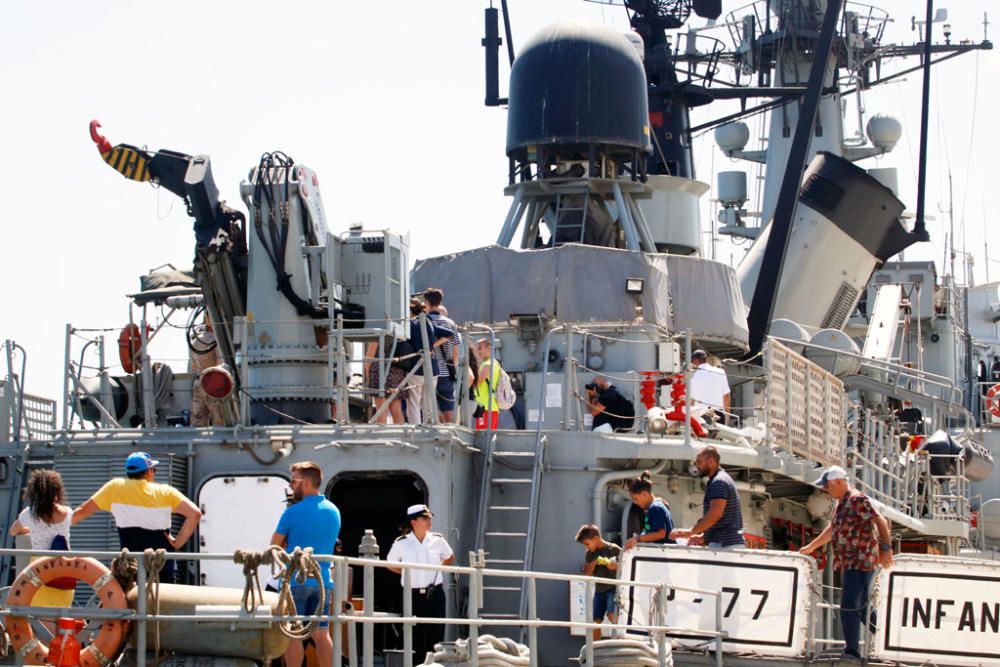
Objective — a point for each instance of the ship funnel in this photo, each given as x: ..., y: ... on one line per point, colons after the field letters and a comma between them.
x: 846, y: 223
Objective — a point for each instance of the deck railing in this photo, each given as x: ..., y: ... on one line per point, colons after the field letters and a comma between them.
x: 368, y: 619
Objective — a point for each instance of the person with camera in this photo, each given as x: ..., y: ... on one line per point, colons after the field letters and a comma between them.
x: 611, y: 410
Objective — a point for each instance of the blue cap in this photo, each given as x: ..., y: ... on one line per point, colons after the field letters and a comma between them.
x: 139, y: 462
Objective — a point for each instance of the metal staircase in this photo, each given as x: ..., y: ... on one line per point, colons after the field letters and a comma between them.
x: 506, y: 522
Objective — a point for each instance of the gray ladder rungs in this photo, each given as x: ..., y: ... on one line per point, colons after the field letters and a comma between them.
x: 531, y: 454
x: 489, y: 534
x: 503, y: 589
x: 510, y: 508
x: 507, y: 480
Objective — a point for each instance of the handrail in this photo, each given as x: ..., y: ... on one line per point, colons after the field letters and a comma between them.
x: 340, y: 565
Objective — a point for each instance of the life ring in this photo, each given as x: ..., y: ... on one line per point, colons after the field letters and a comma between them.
x: 130, y: 345
x: 46, y: 570
x: 992, y: 400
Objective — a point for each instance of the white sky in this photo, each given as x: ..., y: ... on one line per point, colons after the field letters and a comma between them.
x: 383, y: 100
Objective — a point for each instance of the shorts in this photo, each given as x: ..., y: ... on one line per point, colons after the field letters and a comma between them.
x: 445, y: 394
x: 604, y: 605
x: 307, y: 600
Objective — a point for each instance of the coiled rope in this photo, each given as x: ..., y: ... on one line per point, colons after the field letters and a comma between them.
x: 625, y: 653
x: 492, y: 652
x: 298, y: 566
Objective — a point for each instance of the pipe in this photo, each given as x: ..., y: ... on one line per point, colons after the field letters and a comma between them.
x: 600, y: 495
x: 920, y: 225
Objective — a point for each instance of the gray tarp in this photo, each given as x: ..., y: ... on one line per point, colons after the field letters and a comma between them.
x: 576, y: 283
x: 707, y: 300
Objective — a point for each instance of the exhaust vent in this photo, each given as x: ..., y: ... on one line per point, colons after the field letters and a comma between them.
x: 844, y: 302
x: 822, y: 193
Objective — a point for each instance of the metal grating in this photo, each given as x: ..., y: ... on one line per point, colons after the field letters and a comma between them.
x: 841, y: 308
x: 38, y: 415
x: 84, y: 474
x: 805, y: 407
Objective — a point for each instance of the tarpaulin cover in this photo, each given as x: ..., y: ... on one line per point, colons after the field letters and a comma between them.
x: 157, y: 286
x: 706, y: 299
x: 577, y: 283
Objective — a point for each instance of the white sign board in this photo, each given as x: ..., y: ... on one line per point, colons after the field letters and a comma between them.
x: 940, y: 610
x: 766, y: 597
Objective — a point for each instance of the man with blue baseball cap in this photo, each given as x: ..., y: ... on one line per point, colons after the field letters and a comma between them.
x: 143, y: 510
x: 861, y: 542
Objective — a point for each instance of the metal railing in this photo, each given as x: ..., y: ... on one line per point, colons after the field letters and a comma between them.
x: 142, y: 616
x: 917, y: 483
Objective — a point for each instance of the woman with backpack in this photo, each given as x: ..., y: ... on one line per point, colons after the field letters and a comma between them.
x: 492, y: 389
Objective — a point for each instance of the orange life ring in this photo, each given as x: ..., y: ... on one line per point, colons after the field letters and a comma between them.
x: 992, y: 400
x: 130, y: 345
x: 46, y: 570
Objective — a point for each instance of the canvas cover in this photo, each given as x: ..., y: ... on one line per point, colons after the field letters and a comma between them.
x: 578, y: 283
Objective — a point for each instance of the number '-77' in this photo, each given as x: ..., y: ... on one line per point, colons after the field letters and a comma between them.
x: 736, y: 594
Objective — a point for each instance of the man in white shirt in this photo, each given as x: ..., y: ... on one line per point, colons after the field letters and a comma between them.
x: 419, y: 545
x: 709, y: 385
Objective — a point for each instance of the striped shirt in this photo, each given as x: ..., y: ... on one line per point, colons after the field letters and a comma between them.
x: 728, y: 530
x: 445, y: 353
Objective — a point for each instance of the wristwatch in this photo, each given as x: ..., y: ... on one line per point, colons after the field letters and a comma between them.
x: 885, y: 546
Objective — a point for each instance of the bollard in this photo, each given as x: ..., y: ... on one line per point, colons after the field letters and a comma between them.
x: 369, y: 549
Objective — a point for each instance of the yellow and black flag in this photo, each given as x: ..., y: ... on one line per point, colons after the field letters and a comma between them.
x: 129, y: 161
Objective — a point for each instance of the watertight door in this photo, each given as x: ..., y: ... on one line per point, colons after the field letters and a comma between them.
x: 240, y: 512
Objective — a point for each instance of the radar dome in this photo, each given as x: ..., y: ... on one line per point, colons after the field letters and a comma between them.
x: 732, y: 137
x: 884, y: 131
x: 578, y: 84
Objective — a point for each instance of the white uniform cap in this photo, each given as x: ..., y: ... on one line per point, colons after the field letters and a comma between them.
x: 413, y: 511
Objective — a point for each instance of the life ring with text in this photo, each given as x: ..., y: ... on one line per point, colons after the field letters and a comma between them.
x: 130, y: 345
x: 993, y: 400
x: 105, y: 647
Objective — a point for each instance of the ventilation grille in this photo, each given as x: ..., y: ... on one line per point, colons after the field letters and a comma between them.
x: 822, y: 192
x: 844, y: 302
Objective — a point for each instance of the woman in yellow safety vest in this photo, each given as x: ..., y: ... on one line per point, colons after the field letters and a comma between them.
x: 485, y: 389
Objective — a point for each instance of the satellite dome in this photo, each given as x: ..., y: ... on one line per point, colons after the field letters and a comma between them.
x: 732, y: 137
x: 578, y: 84
x: 884, y: 131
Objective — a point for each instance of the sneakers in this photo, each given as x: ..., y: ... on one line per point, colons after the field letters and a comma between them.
x: 850, y: 657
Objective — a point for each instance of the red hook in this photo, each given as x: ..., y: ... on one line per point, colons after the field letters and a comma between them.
x: 103, y: 144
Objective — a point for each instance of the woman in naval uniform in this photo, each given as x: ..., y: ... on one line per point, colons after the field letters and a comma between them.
x: 419, y: 545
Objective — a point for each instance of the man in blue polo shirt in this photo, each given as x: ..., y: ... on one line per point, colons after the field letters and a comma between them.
x: 721, y: 526
x: 313, y: 521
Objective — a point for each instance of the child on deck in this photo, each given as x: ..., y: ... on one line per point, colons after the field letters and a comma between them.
x: 600, y: 560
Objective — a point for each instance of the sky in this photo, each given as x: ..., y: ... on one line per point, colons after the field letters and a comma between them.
x: 382, y: 100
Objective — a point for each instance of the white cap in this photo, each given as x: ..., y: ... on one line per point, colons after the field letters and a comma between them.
x: 413, y: 511
x: 830, y: 474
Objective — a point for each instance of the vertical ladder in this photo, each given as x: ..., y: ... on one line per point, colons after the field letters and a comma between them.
x: 562, y: 222
x: 505, y: 528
